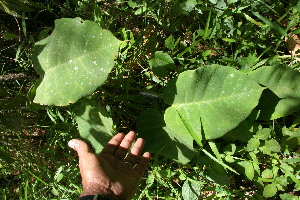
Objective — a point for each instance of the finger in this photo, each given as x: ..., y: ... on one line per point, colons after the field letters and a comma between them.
x: 143, y: 163
x: 135, y: 151
x: 125, y: 145
x: 137, y: 147
x: 79, y: 146
x: 113, y: 144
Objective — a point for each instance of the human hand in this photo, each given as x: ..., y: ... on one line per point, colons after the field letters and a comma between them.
x: 111, y: 173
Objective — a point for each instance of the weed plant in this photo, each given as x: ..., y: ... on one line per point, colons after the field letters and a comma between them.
x: 162, y: 40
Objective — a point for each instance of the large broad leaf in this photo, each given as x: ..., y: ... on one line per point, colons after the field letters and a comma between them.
x: 217, y: 96
x: 284, y: 82
x: 73, y: 61
x: 163, y: 139
x: 94, y: 124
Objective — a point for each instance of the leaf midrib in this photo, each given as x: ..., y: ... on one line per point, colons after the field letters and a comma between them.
x: 210, y: 100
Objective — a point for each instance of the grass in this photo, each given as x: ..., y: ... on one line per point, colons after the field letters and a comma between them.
x: 39, y: 165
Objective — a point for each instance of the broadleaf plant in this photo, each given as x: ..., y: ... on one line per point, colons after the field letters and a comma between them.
x: 218, y: 96
x: 284, y: 82
x: 73, y: 61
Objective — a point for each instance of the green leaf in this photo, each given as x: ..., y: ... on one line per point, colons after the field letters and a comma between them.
x: 94, y: 124
x: 231, y: 1
x: 263, y: 134
x: 9, y: 36
x: 218, y: 174
x: 247, y: 62
x: 216, y: 97
x: 253, y: 144
x: 206, y: 53
x: 291, y: 160
x: 284, y: 83
x: 191, y: 190
x: 73, y: 61
x: 267, y: 173
x: 215, y: 150
x: 292, y: 134
x: 244, y: 131
x: 132, y: 4
x: 288, y: 197
x: 282, y: 180
x: 185, y: 6
x: 170, y: 42
x: 161, y: 64
x: 256, y: 167
x: 213, y: 1
x: 162, y: 137
x: 248, y: 169
x: 221, y: 5
x: 286, y: 167
x: 272, y: 145
x: 229, y: 40
x: 270, y: 190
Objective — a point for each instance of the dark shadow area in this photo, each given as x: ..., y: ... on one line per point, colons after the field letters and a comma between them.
x: 214, y: 171
x: 38, y: 48
x: 92, y: 128
x: 267, y: 104
x: 242, y: 132
x: 151, y: 127
x: 170, y: 91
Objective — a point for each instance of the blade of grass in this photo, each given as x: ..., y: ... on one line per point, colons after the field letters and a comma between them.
x: 253, y: 21
x: 26, y: 190
x: 214, y: 148
x: 221, y: 163
x: 37, y: 178
x: 207, y: 26
x: 273, y: 25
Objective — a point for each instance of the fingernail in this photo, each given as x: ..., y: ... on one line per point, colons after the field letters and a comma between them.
x: 71, y: 144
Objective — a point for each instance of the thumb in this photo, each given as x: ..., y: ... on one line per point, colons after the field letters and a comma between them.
x: 79, y: 146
